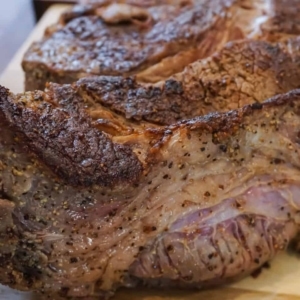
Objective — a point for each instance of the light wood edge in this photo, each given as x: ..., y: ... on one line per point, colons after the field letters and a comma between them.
x: 13, y: 71
x: 212, y: 294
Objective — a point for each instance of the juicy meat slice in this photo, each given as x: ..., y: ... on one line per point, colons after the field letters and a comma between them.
x: 174, y: 223
x: 150, y: 39
x: 122, y: 38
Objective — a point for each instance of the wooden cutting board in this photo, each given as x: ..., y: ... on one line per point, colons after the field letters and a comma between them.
x: 280, y: 282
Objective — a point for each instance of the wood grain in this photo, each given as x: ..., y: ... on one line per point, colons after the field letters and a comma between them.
x: 217, y: 294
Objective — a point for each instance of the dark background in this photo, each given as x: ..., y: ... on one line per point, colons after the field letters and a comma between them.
x: 17, y: 20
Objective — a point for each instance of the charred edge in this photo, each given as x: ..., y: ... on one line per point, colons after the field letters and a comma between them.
x: 4, y: 92
x: 222, y: 125
x: 65, y: 143
x: 162, y: 106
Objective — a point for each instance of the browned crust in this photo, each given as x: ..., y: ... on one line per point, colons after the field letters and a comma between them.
x: 56, y: 127
x: 161, y: 105
x: 66, y: 141
x: 243, y: 72
x: 82, y: 43
x: 224, y: 125
x: 92, y: 47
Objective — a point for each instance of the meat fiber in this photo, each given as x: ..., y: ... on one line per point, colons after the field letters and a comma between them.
x: 91, y: 204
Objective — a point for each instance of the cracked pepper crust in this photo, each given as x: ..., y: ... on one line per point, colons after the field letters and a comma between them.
x: 242, y: 72
x: 79, y: 241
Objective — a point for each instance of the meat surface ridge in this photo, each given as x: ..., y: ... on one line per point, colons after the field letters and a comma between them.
x: 167, y: 227
x: 241, y: 73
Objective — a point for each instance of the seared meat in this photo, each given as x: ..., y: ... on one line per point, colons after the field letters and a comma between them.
x: 242, y: 72
x: 124, y: 204
x: 124, y: 39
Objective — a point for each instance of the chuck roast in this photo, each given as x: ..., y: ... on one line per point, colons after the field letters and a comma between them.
x: 91, y: 201
x: 122, y: 39
x: 149, y: 39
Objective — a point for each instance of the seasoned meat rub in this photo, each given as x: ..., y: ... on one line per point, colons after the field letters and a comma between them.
x: 91, y: 202
x: 243, y: 72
